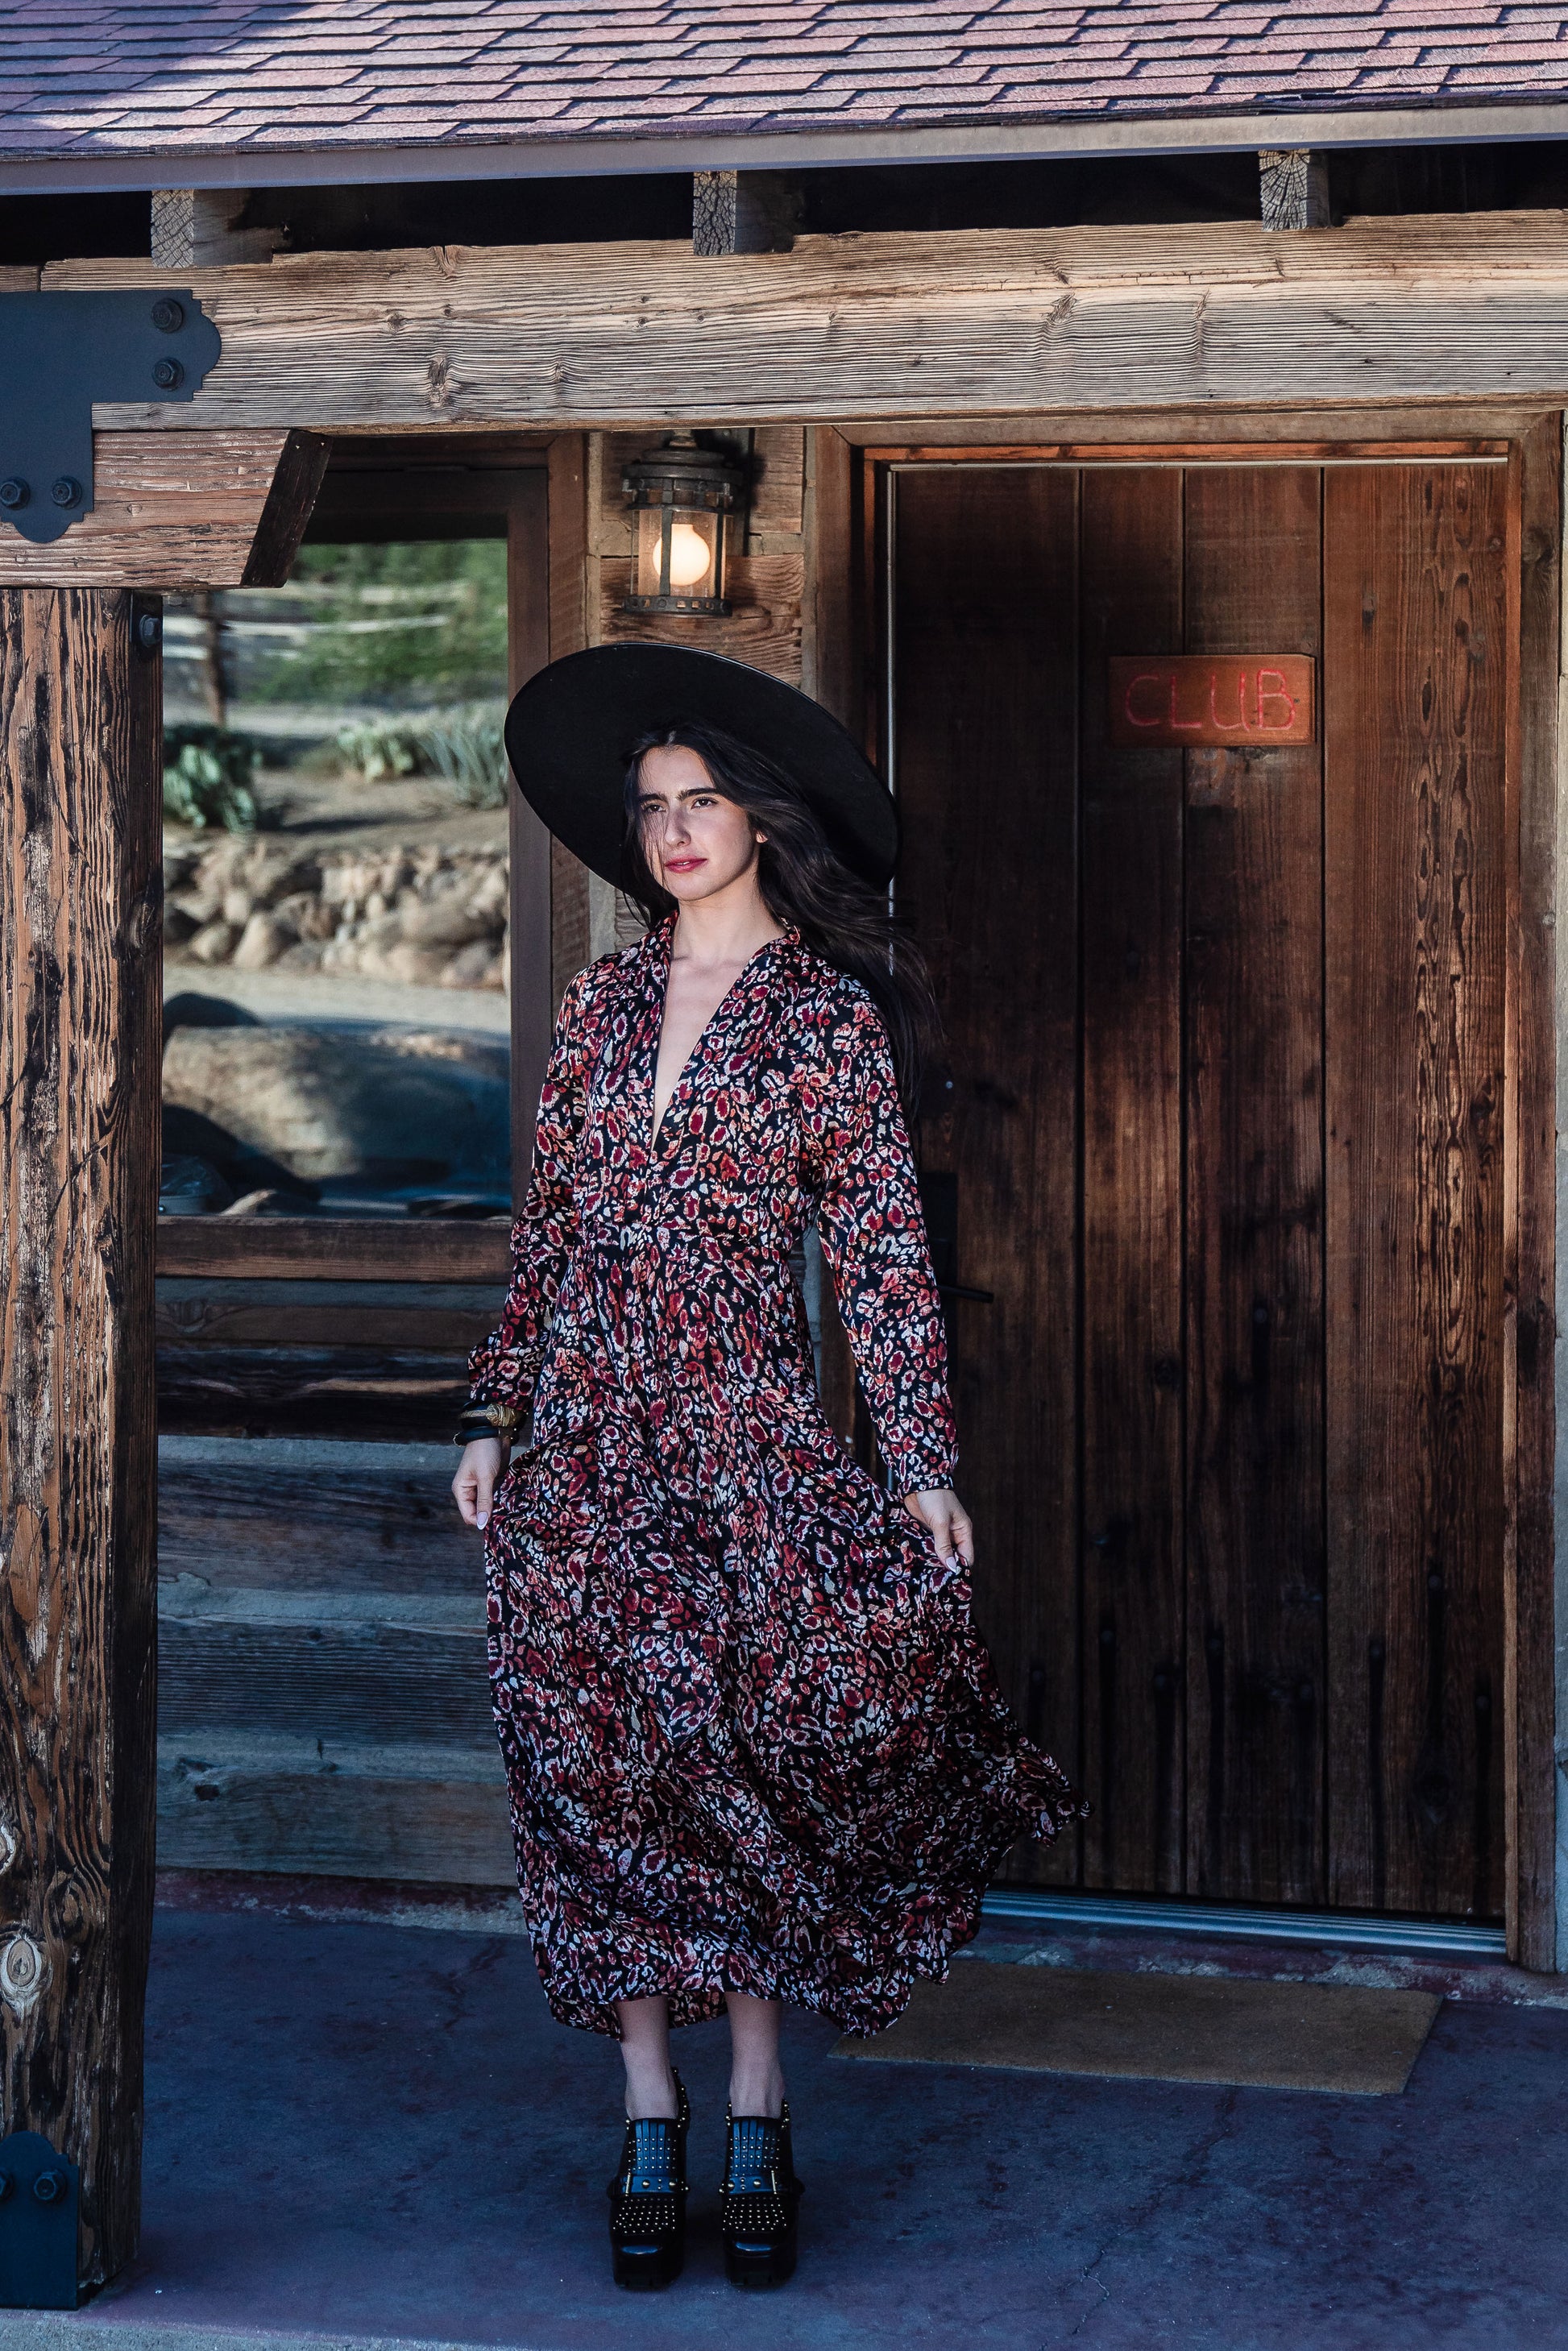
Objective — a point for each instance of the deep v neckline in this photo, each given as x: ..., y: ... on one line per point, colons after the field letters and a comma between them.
x: 657, y: 1121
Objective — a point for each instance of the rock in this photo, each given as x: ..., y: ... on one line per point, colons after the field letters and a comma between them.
x: 304, y: 955
x: 444, y: 922
x: 262, y: 941
x: 190, y: 1009
x: 478, y: 965
x: 489, y: 898
x: 178, y: 924
x: 492, y: 1055
x: 414, y: 965
x: 307, y: 917
x: 200, y: 905
x: 314, y: 1105
x: 214, y: 943
x: 238, y: 907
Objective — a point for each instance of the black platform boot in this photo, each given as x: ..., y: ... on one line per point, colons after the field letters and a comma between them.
x: 648, y: 2200
x: 762, y: 2199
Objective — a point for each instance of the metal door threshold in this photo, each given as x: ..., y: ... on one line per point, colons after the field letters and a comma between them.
x: 1341, y: 1928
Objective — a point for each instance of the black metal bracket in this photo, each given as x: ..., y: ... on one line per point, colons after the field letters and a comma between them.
x: 40, y: 2201
x: 63, y: 352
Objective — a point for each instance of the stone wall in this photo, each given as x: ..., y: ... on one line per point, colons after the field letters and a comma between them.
x: 429, y: 915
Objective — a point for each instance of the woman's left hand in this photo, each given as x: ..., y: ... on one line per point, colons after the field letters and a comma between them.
x: 946, y: 1521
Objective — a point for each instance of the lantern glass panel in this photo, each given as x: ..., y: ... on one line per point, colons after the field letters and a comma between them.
x: 692, y: 551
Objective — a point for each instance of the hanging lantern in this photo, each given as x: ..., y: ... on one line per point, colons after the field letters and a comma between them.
x: 680, y: 495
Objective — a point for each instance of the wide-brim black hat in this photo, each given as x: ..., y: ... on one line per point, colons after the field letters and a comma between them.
x: 572, y: 729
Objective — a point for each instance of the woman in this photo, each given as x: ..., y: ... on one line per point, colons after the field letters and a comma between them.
x: 754, y: 1749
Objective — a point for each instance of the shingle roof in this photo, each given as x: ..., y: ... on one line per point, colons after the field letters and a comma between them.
x: 99, y: 78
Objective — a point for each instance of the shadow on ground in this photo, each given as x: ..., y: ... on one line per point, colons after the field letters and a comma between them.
x: 373, y: 2131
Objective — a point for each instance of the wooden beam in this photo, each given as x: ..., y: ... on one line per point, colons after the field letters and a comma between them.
x: 79, y: 987
x: 991, y: 321
x: 744, y: 212
x: 1293, y: 187
x: 331, y: 1248
x: 193, y: 227
x: 214, y: 509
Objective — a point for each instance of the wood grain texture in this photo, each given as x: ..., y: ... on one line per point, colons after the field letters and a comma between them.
x: 535, y: 546
x: 330, y: 1248
x: 1280, y: 428
x: 406, y: 1393
x: 571, y: 617
x: 1012, y: 321
x: 290, y: 503
x: 332, y: 1681
x: 985, y: 673
x: 764, y: 629
x: 777, y: 500
x: 1133, y: 1401
x: 1254, y: 1000
x: 185, y: 509
x: 1416, y: 677
x: 1531, y: 1139
x: 79, y: 1022
x: 308, y: 1514
x: 428, y: 1816
x: 830, y: 656
x: 447, y: 1318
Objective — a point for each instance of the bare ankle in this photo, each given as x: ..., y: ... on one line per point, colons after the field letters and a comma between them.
x: 650, y: 2092
x: 756, y: 2090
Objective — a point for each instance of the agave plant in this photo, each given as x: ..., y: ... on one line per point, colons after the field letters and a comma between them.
x: 380, y: 746
x: 466, y: 746
x: 208, y: 772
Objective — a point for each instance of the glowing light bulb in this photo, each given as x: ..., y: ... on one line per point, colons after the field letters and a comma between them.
x: 689, y: 555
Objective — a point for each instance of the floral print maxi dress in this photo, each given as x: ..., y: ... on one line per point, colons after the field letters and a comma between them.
x: 750, y: 1736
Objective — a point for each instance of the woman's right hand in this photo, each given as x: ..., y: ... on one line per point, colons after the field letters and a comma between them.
x: 478, y: 1475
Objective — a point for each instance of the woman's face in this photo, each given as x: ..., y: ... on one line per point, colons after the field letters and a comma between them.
x: 696, y: 842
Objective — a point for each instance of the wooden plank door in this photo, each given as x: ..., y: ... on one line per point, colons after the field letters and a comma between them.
x: 1252, y: 955
x: 1223, y: 1124
x: 984, y: 688
x: 1130, y: 1209
x: 1414, y: 705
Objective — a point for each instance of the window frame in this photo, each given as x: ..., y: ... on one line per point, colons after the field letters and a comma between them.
x: 381, y: 493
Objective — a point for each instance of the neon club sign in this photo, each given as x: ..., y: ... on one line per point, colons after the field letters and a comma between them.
x: 1205, y: 701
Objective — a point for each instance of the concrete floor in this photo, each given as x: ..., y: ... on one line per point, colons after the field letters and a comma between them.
x: 362, y: 2131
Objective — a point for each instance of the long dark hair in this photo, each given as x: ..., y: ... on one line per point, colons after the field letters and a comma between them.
x: 803, y: 882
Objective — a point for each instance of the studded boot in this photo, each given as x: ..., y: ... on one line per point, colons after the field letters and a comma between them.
x: 761, y: 2198
x: 648, y: 2200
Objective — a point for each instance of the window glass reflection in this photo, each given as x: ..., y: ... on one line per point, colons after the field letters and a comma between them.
x: 336, y: 888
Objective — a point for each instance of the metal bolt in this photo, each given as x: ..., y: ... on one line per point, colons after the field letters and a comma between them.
x: 14, y: 493
x: 167, y: 373
x: 149, y: 631
x: 168, y: 315
x: 50, y: 2186
x: 67, y: 491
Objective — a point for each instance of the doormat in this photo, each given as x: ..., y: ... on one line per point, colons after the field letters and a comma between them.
x: 1158, y: 2028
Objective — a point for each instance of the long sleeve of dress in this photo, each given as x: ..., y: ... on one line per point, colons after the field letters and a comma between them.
x: 873, y: 1231
x: 503, y: 1370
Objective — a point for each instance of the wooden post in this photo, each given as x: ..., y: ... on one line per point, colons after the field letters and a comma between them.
x: 744, y: 212
x: 81, y: 884
x: 1293, y: 187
